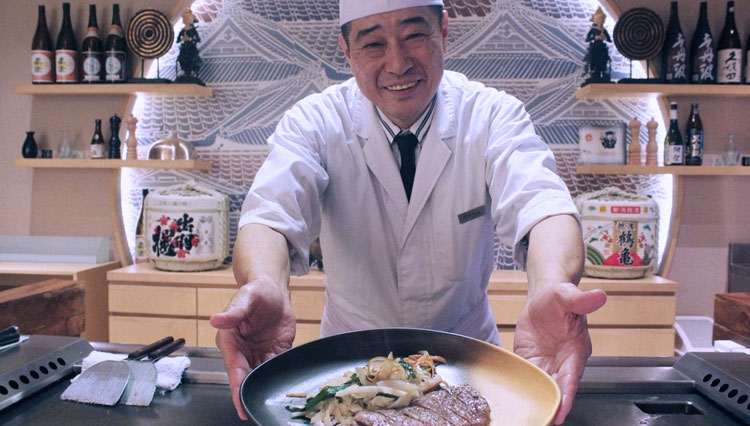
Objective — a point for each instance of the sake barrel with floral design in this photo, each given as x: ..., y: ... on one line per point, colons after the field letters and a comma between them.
x: 186, y: 227
x: 619, y: 232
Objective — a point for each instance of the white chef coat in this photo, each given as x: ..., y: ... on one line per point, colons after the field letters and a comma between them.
x: 390, y: 262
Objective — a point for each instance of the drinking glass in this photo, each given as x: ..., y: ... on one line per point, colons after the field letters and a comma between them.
x: 65, y: 145
x: 731, y: 153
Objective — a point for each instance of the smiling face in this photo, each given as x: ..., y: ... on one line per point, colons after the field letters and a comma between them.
x: 397, y: 60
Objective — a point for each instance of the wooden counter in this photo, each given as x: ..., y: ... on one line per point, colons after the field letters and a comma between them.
x: 146, y: 304
x: 91, y: 276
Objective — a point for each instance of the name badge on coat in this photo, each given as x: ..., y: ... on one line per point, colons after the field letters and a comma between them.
x: 472, y: 214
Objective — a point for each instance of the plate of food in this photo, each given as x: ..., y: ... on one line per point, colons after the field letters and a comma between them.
x: 399, y: 376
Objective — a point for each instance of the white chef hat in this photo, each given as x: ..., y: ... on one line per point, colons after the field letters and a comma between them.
x: 350, y: 10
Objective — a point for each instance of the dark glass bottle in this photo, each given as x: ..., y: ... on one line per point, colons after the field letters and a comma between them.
x: 674, y: 54
x: 92, y: 51
x: 673, y: 146
x: 29, y: 148
x: 702, y: 51
x: 729, y: 51
x: 747, y: 61
x: 66, y: 51
x: 694, y: 138
x: 42, y: 56
x: 114, y: 139
x: 115, y: 52
x: 141, y: 244
x: 97, y: 147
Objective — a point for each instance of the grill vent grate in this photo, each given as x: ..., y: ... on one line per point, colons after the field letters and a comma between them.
x: 37, y: 363
x: 724, y: 378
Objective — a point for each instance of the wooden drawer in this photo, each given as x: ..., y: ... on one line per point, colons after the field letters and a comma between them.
x: 306, y: 332
x: 632, y: 341
x: 636, y: 310
x: 145, y: 330
x: 206, y: 334
x: 507, y: 308
x: 619, y: 310
x: 141, y: 299
x: 618, y: 341
x: 214, y: 300
x: 308, y: 304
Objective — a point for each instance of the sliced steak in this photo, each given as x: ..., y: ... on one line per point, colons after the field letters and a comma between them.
x: 450, y: 405
x: 477, y: 409
x: 385, y: 418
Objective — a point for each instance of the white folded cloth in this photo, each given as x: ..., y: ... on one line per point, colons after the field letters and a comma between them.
x: 168, y: 369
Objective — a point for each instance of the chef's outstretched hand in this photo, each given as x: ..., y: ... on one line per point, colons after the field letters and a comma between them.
x: 552, y: 333
x: 258, y: 324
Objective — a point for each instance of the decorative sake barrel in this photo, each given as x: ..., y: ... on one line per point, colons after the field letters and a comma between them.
x: 619, y: 232
x: 186, y: 227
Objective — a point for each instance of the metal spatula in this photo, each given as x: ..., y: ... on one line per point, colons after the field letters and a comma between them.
x: 142, y: 385
x: 105, y: 382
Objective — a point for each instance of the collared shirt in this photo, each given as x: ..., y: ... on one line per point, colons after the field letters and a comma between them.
x: 419, y: 129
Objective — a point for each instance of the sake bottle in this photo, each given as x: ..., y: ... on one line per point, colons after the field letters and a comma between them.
x: 702, y: 51
x: 694, y: 138
x: 674, y: 53
x: 92, y: 51
x: 729, y: 51
x: 66, y: 51
x: 115, y: 52
x: 97, y: 147
x: 42, y: 56
x: 673, y: 146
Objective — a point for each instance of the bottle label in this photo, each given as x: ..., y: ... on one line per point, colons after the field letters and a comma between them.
x: 747, y: 69
x: 694, y: 149
x: 41, y: 66
x: 729, y: 64
x: 97, y: 150
x: 65, y: 66
x: 92, y: 66
x: 677, y: 60
x: 674, y: 154
x: 115, y: 66
x: 703, y: 69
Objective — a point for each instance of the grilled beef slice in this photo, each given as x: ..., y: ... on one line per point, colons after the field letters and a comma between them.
x: 451, y: 405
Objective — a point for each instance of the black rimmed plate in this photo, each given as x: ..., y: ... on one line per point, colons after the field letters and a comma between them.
x: 518, y: 392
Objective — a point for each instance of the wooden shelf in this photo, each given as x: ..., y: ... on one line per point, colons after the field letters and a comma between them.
x: 607, y: 169
x: 57, y: 163
x: 613, y: 90
x: 170, y: 89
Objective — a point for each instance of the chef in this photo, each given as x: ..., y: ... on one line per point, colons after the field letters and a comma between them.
x: 404, y: 172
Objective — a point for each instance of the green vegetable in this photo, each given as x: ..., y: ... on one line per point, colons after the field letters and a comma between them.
x: 408, y: 369
x: 329, y: 392
x: 387, y: 395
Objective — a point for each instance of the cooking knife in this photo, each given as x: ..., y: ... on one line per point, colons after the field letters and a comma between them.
x: 140, y: 389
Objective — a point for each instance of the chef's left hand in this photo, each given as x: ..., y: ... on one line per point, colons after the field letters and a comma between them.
x: 552, y: 333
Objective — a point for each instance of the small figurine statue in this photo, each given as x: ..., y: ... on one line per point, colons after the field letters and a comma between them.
x: 131, y: 143
x: 597, y: 58
x: 651, y: 147
x: 188, y: 59
x: 634, y: 152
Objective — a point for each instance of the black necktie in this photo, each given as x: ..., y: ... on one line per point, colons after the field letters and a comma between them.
x: 407, y: 145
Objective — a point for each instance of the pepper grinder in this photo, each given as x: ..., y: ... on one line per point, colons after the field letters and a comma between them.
x: 114, y: 139
x: 131, y: 143
x: 651, y: 148
x: 634, y: 153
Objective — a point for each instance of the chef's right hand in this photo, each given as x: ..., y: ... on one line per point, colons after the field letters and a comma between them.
x: 258, y: 324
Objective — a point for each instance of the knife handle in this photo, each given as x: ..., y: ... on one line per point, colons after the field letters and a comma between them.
x: 140, y: 353
x: 9, y: 335
x: 166, y: 350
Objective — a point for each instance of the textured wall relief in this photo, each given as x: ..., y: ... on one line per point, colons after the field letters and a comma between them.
x: 261, y: 56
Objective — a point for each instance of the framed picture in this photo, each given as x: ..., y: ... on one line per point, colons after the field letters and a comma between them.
x: 602, y: 144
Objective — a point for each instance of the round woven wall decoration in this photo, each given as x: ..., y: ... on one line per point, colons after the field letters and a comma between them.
x: 150, y: 34
x: 639, y: 34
